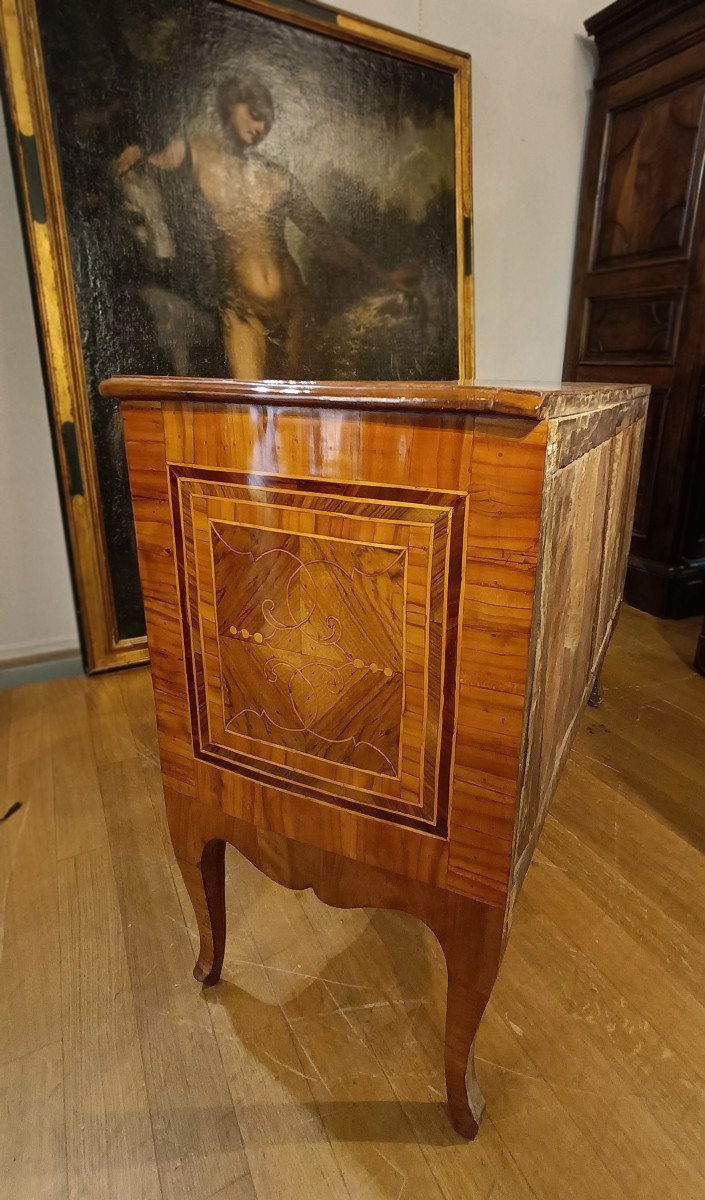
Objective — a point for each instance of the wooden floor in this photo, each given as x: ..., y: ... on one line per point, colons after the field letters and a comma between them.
x: 314, y: 1069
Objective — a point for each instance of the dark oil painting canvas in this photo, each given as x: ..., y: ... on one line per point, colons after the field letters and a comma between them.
x: 245, y: 197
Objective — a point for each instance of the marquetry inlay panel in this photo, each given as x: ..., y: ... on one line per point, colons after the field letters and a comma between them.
x: 321, y: 625
x: 317, y: 664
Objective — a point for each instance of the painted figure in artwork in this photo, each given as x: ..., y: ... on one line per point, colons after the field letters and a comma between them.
x: 248, y: 199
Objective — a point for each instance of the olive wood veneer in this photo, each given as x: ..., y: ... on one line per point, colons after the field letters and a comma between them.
x: 374, y: 615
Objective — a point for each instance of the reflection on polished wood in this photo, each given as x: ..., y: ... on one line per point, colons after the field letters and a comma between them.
x: 314, y: 1069
x: 374, y: 618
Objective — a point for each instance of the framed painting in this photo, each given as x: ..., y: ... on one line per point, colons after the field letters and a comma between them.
x: 226, y: 188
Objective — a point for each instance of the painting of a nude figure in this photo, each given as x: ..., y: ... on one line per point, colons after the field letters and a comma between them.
x: 248, y: 200
x: 251, y: 190
x: 274, y: 202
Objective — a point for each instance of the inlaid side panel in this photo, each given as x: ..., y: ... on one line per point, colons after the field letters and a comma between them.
x: 308, y: 548
x: 626, y: 456
x: 589, y: 507
x: 579, y: 497
x: 318, y: 621
x: 575, y: 506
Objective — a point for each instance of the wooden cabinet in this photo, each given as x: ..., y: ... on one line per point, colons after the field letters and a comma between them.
x: 699, y: 663
x: 638, y: 297
x: 374, y: 614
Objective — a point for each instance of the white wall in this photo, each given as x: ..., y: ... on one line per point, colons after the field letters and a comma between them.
x: 532, y: 69
x: 532, y: 74
x: 36, y: 606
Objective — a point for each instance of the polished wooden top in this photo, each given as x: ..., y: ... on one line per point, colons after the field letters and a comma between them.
x: 539, y: 401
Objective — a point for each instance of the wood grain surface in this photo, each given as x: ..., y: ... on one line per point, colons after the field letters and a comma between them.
x: 372, y: 634
x: 508, y: 398
x: 636, y: 309
x: 315, y: 1067
x: 589, y: 500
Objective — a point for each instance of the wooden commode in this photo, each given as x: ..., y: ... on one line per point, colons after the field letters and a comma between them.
x: 375, y: 612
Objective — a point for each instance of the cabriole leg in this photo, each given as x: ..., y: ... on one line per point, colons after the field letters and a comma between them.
x: 205, y: 883
x: 595, y: 697
x: 473, y: 951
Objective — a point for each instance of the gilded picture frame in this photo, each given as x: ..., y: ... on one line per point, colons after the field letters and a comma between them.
x: 411, y: 103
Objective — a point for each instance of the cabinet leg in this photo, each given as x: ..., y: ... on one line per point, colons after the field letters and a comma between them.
x: 699, y: 662
x: 205, y: 883
x: 595, y: 697
x: 473, y: 953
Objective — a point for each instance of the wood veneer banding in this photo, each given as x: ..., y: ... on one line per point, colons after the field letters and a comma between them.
x: 466, y: 563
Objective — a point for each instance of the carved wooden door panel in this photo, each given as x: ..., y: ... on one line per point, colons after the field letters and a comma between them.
x: 637, y: 301
x: 652, y: 153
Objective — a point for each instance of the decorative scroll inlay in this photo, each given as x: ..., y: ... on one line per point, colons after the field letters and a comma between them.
x: 356, y: 662
x: 320, y: 625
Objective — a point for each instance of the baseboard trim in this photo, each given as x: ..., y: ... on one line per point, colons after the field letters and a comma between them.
x: 19, y: 671
x: 664, y: 589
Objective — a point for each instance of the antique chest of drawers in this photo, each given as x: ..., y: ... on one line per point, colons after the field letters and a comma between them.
x: 374, y: 614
